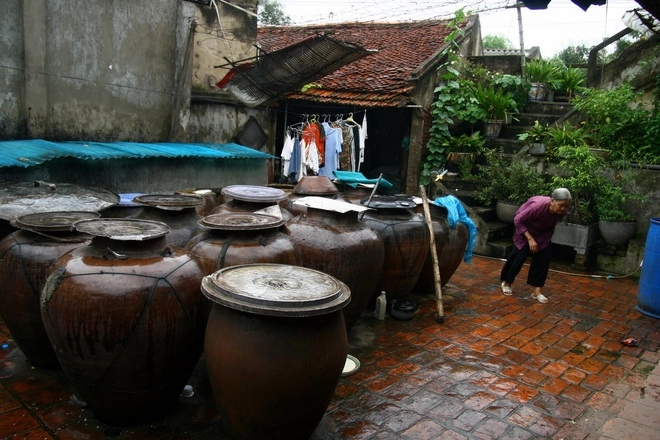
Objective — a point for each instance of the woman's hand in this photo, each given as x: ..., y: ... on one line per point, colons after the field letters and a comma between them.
x: 533, y: 246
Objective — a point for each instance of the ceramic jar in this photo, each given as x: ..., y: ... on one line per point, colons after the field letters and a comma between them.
x: 210, y: 196
x: 26, y: 257
x: 275, y: 348
x: 315, y: 186
x: 126, y: 319
x: 125, y: 208
x: 331, y: 239
x: 406, y: 238
x: 450, y: 244
x: 178, y: 211
x: 252, y: 198
x: 237, y: 238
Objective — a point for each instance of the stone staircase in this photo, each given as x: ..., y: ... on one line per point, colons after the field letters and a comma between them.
x: 494, y: 236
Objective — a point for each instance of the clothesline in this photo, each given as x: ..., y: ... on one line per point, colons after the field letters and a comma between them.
x: 311, y: 118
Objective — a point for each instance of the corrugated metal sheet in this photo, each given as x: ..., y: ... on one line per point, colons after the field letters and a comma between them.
x: 25, y: 153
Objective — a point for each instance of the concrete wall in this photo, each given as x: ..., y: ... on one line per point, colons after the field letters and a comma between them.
x: 148, y: 175
x: 12, y: 103
x: 109, y: 70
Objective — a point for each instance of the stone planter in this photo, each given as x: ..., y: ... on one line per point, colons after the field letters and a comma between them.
x: 506, y: 211
x: 579, y: 237
x: 537, y: 149
x: 617, y: 233
x: 537, y: 91
x: 492, y: 128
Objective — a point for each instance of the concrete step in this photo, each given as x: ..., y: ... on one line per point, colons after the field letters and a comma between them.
x: 508, y: 143
x: 497, y: 230
x: 546, y: 107
x: 499, y: 248
x: 487, y: 213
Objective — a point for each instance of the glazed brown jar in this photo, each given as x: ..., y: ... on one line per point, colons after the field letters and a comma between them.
x: 406, y: 238
x: 450, y: 244
x: 331, y: 239
x: 126, y: 318
x: 237, y: 238
x: 275, y: 347
x: 26, y: 257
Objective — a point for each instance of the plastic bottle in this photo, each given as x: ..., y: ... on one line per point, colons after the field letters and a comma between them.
x: 381, y: 305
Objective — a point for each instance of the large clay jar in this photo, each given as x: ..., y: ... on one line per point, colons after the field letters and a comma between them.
x: 450, y: 244
x: 406, y: 238
x: 252, y: 198
x: 354, y: 194
x: 211, y: 199
x: 178, y: 211
x: 26, y: 257
x: 311, y: 186
x: 331, y: 239
x: 125, y: 208
x: 241, y: 238
x: 275, y: 347
x: 126, y: 318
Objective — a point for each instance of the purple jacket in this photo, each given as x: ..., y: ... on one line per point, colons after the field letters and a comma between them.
x: 534, y: 216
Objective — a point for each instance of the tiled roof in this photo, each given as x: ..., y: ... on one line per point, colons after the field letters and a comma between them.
x: 377, y: 80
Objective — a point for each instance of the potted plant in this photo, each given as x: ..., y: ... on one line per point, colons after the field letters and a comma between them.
x: 579, y: 171
x: 535, y: 138
x: 571, y: 80
x: 615, y: 224
x: 515, y: 86
x: 554, y: 83
x: 509, y: 182
x: 539, y: 73
x: 495, y: 103
x: 463, y: 151
x: 559, y: 135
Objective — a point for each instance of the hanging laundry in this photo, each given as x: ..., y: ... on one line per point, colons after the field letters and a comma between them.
x: 363, y: 140
x: 312, y: 133
x: 333, y: 148
x: 295, y: 167
x: 287, y: 150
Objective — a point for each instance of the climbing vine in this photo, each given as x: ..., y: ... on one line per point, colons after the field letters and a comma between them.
x: 449, y: 103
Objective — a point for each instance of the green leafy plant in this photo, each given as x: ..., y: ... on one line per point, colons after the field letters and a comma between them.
x: 612, y: 196
x: 536, y: 134
x: 615, y: 120
x: 494, y: 102
x: 564, y: 134
x: 571, y: 81
x: 579, y: 171
x: 539, y: 71
x: 448, y: 99
x: 508, y: 179
x: 515, y: 86
x: 463, y: 151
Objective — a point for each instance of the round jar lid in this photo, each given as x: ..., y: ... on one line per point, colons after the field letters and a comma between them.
x: 53, y: 221
x: 123, y: 229
x: 389, y: 202
x: 276, y: 290
x: 240, y: 221
x: 172, y: 202
x: 253, y: 193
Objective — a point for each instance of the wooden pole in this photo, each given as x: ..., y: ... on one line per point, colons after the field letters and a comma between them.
x: 434, y: 258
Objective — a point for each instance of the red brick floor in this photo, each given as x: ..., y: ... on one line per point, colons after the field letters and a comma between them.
x: 497, y: 368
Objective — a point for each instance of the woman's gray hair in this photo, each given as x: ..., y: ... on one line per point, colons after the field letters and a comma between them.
x: 561, y: 194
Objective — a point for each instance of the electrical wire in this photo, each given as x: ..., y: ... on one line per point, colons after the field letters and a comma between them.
x: 586, y: 275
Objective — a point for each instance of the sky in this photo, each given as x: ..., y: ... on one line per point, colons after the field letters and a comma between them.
x: 562, y: 25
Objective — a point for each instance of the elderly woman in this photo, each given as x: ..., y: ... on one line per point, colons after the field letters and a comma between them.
x: 534, y: 224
